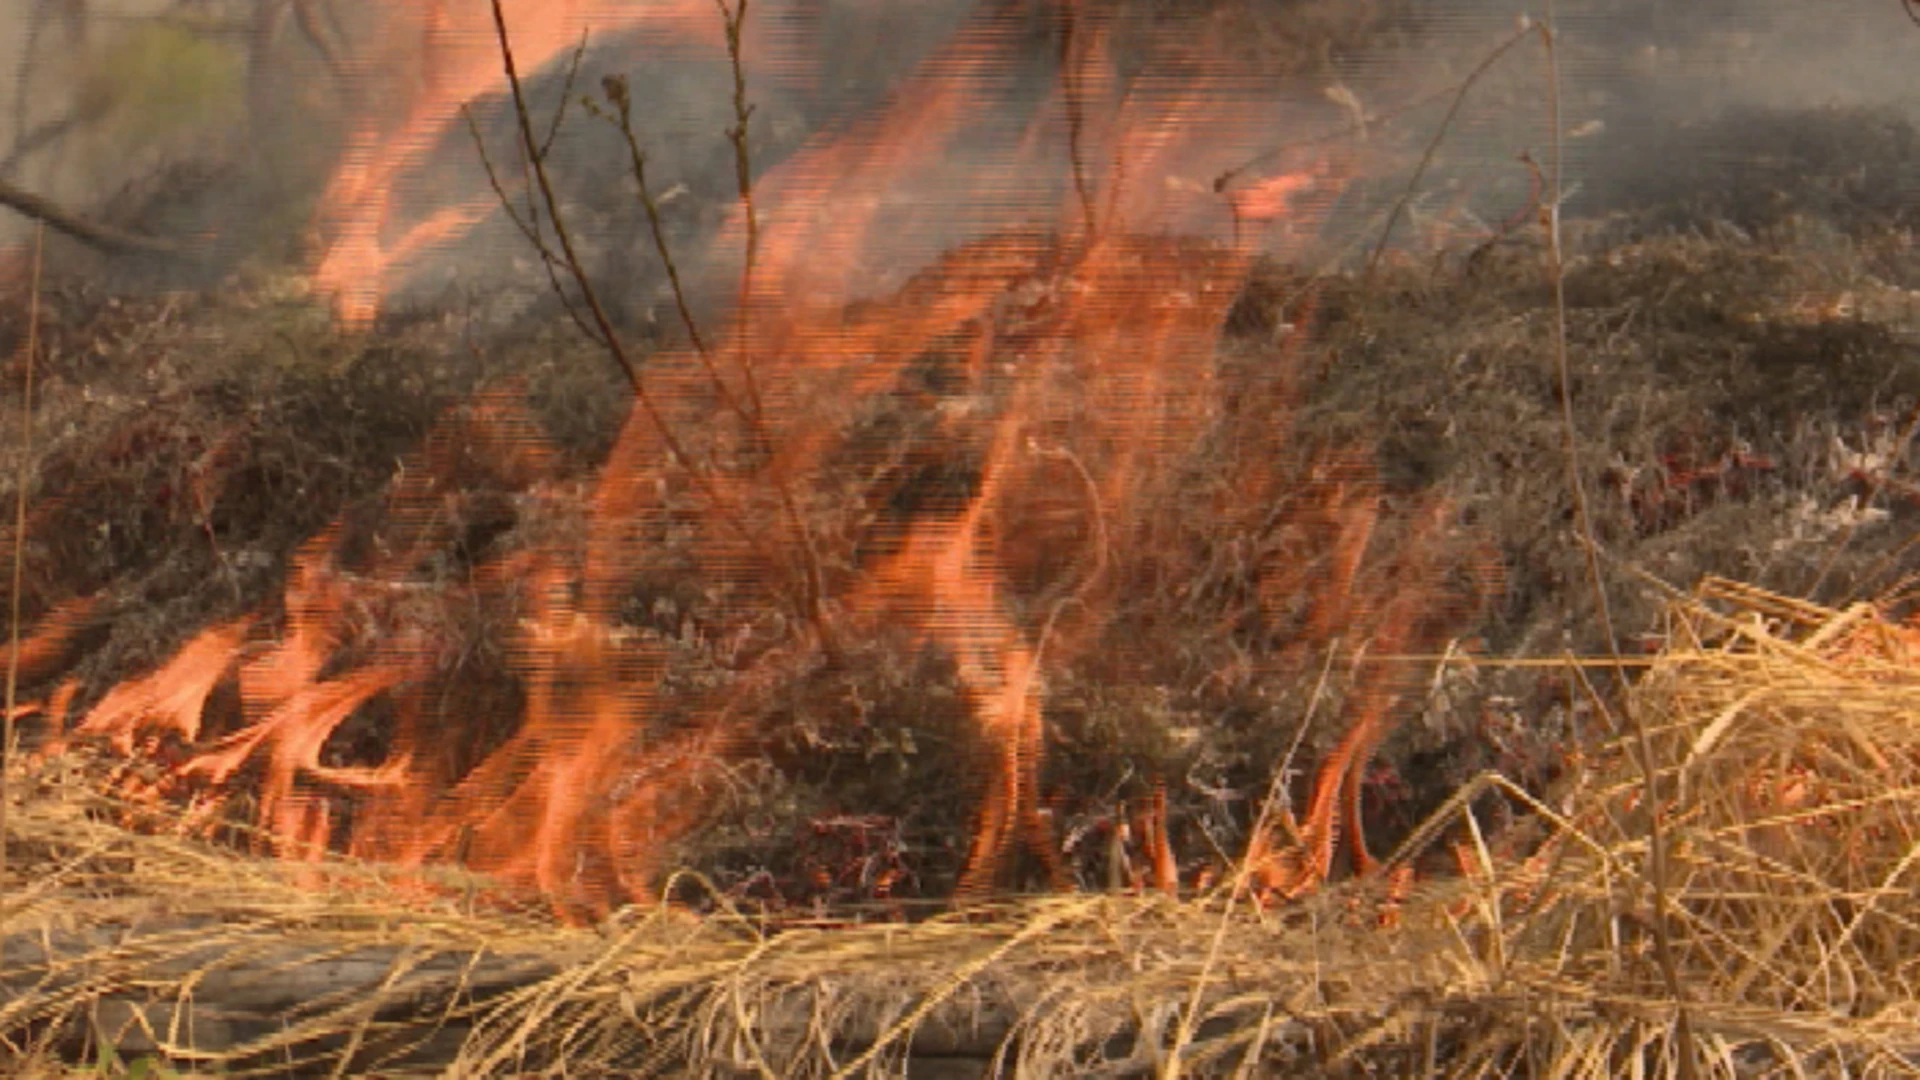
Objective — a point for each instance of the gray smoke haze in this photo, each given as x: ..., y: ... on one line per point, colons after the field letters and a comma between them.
x: 218, y: 120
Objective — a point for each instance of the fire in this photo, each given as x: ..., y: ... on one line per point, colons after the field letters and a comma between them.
x: 1078, y: 371
x: 453, y: 48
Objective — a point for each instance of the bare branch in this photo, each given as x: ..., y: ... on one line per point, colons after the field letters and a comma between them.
x: 91, y: 233
x: 609, y: 339
x: 735, y: 19
x: 529, y: 227
x: 615, y: 89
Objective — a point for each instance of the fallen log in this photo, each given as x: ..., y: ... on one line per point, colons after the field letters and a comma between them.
x: 268, y: 1000
x: 264, y: 999
x: 202, y: 992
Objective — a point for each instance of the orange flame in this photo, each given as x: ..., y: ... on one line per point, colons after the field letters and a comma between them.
x: 1084, y: 372
x: 455, y: 51
x: 172, y: 697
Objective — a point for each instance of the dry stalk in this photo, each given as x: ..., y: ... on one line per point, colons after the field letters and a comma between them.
x: 1274, y: 804
x: 19, y: 539
x: 1583, y: 523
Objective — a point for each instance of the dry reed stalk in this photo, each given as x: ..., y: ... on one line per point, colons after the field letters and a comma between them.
x: 19, y: 541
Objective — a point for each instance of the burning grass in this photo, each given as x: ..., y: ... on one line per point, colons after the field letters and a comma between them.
x: 1012, y: 579
x: 1783, y: 766
x: 856, y: 777
x: 1029, y: 452
x: 1785, y: 771
x: 1016, y: 578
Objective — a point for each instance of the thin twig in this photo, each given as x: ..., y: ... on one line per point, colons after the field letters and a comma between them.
x: 615, y: 89
x: 536, y: 166
x: 1243, y: 876
x: 1529, y: 210
x: 599, y: 324
x: 23, y: 77
x: 1433, y: 145
x: 814, y: 598
x: 566, y: 95
x: 602, y: 322
x: 529, y: 226
x: 19, y: 540
x: 50, y: 132
x: 743, y: 178
x: 1355, y: 127
x: 317, y: 36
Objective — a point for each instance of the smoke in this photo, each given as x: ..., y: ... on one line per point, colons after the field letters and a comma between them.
x: 222, y: 121
x: 1655, y: 98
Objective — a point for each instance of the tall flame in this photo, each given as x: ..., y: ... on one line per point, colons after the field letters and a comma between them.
x: 1080, y: 336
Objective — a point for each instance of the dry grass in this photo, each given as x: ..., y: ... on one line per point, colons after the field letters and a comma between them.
x: 1787, y: 760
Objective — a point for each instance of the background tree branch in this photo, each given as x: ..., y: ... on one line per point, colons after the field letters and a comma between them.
x: 100, y: 237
